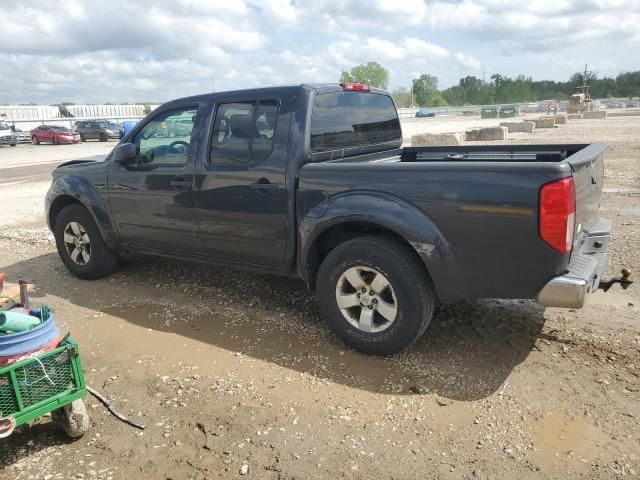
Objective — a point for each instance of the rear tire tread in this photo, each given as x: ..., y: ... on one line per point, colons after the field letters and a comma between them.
x: 413, y: 287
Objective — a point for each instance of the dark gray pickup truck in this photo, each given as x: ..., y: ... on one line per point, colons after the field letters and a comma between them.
x: 311, y: 180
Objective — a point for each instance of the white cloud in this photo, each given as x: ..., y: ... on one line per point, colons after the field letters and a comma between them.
x: 279, y: 10
x: 121, y: 50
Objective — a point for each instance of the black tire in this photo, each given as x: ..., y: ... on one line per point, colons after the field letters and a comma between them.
x: 35, y: 141
x: 414, y: 295
x: 101, y: 262
x: 13, y: 144
x: 103, y: 137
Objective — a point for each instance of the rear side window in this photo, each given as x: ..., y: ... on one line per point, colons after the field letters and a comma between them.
x: 243, y: 133
x: 352, y: 119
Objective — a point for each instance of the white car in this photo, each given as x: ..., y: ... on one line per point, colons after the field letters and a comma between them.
x: 6, y: 135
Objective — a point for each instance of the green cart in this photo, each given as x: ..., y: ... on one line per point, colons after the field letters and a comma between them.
x: 49, y: 383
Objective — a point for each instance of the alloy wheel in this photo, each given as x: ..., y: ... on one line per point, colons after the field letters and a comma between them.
x: 366, y: 299
x: 77, y: 243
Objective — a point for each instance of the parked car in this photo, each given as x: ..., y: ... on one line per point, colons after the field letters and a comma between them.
x: 424, y: 112
x: 21, y: 136
x: 615, y: 104
x: 312, y: 181
x: 488, y: 112
x: 6, y: 135
x: 53, y: 134
x: 102, y: 130
x: 529, y: 107
x: 509, y: 111
x: 632, y: 104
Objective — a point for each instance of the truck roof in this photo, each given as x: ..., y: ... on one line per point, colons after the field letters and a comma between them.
x: 265, y: 91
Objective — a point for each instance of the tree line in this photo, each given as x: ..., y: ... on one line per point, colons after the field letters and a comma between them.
x: 471, y: 90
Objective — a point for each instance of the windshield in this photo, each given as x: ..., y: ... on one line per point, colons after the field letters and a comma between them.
x: 352, y: 119
x: 60, y: 129
x: 4, y: 126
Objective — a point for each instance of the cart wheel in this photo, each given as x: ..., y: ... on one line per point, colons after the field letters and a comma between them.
x: 72, y: 418
x: 7, y: 426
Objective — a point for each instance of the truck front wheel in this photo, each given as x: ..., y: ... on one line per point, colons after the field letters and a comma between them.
x: 375, y: 295
x: 80, y: 244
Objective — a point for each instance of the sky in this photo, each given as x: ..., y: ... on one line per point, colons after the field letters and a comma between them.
x: 152, y: 51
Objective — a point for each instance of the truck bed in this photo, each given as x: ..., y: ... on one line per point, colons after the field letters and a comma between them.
x: 482, y: 199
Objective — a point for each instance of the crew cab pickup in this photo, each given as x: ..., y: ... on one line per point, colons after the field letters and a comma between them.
x: 312, y: 181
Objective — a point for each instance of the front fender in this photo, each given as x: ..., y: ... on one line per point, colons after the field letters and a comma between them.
x: 92, y: 196
x: 398, y: 216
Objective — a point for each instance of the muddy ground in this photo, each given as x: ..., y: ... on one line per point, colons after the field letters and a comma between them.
x: 235, y: 373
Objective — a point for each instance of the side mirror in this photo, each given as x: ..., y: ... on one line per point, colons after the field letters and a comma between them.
x: 125, y: 154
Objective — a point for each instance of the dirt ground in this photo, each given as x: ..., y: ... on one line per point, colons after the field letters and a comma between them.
x: 235, y: 373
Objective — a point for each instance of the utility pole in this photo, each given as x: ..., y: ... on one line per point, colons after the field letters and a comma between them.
x: 411, y: 94
x: 213, y: 83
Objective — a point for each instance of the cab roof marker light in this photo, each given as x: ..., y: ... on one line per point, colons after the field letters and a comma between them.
x: 355, y: 87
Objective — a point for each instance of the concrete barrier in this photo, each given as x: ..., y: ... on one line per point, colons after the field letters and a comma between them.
x: 574, y: 116
x: 594, y: 115
x: 434, y: 139
x: 561, y: 119
x: 526, y: 127
x: 487, y: 133
x: 543, y: 122
x: 633, y: 113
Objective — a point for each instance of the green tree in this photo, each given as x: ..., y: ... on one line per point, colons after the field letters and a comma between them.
x: 370, y: 73
x: 628, y: 84
x: 437, y: 100
x: 424, y: 88
x: 475, y: 91
x: 401, y: 96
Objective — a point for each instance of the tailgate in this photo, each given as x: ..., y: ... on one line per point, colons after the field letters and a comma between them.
x: 587, y: 166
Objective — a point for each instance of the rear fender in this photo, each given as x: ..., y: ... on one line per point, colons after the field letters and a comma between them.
x: 395, y: 215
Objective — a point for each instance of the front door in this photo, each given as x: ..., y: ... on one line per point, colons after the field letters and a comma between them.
x: 241, y: 191
x: 152, y: 200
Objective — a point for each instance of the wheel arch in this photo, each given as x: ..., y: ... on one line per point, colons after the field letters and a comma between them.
x: 57, y: 205
x: 65, y: 192
x: 350, y: 216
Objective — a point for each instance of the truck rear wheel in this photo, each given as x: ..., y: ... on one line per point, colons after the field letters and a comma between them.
x: 375, y: 295
x: 80, y: 244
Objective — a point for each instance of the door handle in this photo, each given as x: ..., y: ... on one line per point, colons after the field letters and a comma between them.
x: 263, y: 185
x: 180, y: 183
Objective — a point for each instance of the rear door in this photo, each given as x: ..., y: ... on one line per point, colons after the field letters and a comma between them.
x: 152, y: 201
x: 241, y: 192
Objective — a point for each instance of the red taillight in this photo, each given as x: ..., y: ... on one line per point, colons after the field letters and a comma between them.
x: 558, y: 214
x: 355, y: 87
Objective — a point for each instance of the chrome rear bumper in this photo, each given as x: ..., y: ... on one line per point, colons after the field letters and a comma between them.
x: 584, y: 271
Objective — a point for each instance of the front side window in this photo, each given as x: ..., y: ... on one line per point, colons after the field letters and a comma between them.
x: 158, y: 147
x: 342, y: 120
x: 243, y: 133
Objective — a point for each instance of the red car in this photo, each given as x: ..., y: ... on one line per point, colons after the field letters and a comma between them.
x: 54, y: 134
